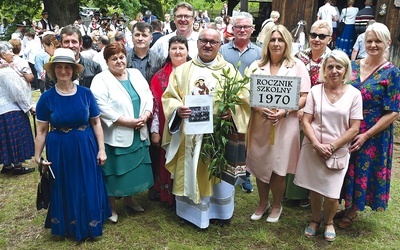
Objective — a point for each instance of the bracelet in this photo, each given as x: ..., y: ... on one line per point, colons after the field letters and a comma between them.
x: 332, y: 147
x: 286, y: 113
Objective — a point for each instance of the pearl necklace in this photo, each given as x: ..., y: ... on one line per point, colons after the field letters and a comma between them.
x: 65, y: 92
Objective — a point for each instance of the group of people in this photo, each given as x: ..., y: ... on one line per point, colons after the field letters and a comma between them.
x: 347, y: 24
x: 113, y: 133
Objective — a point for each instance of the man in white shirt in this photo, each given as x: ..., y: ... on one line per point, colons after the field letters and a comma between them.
x: 327, y: 12
x: 44, y: 24
x: 183, y: 18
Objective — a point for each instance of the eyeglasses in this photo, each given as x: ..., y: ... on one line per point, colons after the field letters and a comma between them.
x: 320, y: 36
x: 186, y: 17
x: 245, y: 27
x: 205, y: 41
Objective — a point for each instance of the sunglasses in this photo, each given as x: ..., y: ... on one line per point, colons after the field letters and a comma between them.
x: 320, y: 36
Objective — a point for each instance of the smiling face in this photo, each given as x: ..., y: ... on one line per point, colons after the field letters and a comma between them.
x: 373, y: 45
x: 334, y: 72
x: 184, y: 21
x: 63, y: 71
x: 316, y: 43
x: 72, y: 42
x: 117, y: 63
x: 242, y: 29
x: 277, y: 45
x: 208, y: 44
x: 178, y: 53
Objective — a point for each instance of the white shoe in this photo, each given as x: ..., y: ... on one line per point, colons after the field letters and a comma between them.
x: 113, y: 218
x: 136, y: 207
x: 259, y: 216
x: 275, y: 219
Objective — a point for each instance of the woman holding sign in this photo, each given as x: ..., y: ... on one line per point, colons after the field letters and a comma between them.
x: 273, y: 140
x: 331, y: 120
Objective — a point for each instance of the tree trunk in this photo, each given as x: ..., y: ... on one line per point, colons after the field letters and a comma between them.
x: 62, y: 12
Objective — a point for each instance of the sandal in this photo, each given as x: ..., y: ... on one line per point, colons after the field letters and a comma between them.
x: 329, y: 236
x: 347, y: 221
x: 340, y: 214
x: 309, y: 232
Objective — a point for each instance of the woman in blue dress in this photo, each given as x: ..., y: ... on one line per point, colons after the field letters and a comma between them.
x: 367, y: 182
x: 125, y: 103
x: 69, y: 125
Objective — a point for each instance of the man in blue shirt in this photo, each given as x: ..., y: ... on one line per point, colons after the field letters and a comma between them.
x: 243, y: 50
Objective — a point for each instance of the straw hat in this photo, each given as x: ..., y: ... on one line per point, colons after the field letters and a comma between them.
x: 62, y: 55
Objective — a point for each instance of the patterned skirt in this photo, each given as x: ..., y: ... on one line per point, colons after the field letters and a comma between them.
x: 16, y: 139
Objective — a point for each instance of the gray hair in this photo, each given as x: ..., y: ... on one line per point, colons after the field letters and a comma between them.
x: 5, y: 46
x: 242, y: 15
x: 322, y: 24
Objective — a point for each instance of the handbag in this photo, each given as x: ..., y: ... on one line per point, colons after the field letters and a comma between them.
x: 43, y: 189
x: 341, y: 25
x: 340, y: 158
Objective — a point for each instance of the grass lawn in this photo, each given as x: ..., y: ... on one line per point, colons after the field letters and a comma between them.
x: 21, y: 225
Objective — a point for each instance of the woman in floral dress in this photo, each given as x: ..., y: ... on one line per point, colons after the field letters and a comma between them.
x: 367, y: 182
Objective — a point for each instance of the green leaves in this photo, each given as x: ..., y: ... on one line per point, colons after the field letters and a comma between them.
x: 229, y: 90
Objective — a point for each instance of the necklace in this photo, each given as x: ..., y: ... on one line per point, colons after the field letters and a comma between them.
x: 337, y: 94
x: 65, y: 92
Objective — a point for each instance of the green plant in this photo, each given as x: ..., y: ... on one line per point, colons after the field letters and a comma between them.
x: 228, y: 98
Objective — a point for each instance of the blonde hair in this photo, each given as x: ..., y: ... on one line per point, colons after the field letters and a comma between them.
x: 341, y: 58
x: 322, y: 24
x: 274, y: 14
x: 289, y: 60
x: 381, y: 31
x: 263, y: 33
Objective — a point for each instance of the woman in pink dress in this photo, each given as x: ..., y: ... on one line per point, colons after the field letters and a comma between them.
x: 270, y: 163
x: 331, y: 120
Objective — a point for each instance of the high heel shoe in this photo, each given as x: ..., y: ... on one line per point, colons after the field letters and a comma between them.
x: 275, y: 219
x: 259, y: 216
x: 135, y: 207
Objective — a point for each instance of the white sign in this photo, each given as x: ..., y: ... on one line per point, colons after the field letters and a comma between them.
x: 280, y: 92
x: 201, y: 117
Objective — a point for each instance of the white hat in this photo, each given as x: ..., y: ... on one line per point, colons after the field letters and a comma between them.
x: 62, y: 55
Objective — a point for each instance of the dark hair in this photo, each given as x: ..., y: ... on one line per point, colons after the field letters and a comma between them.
x: 87, y: 42
x: 51, y: 39
x: 178, y: 39
x: 104, y: 40
x: 142, y: 26
x: 112, y: 49
x: 70, y: 30
x: 156, y: 25
x: 119, y: 35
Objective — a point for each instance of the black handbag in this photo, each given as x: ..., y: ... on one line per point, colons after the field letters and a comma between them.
x: 340, y: 26
x: 43, y: 190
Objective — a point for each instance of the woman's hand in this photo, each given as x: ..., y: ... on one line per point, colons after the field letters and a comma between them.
x: 323, y: 150
x: 358, y: 141
x: 139, y: 123
x: 45, y: 163
x: 155, y: 139
x: 183, y: 112
x: 273, y: 115
x: 300, y: 114
x: 33, y: 110
x: 101, y: 157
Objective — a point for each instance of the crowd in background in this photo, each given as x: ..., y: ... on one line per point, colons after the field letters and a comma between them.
x: 113, y: 95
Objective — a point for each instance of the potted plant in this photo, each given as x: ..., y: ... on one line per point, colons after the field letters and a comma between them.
x: 224, y: 148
